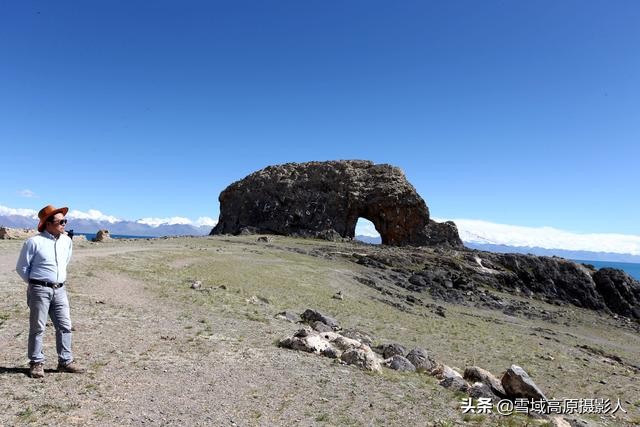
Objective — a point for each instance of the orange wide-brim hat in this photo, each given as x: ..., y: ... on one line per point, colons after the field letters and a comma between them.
x: 48, y: 211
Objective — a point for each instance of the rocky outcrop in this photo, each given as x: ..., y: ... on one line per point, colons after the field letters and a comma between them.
x: 335, y: 346
x: 620, y: 292
x: 325, y: 200
x: 17, y: 233
x: 460, y: 277
x: 476, y: 374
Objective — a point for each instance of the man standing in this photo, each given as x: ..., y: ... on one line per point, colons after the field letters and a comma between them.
x: 43, y: 266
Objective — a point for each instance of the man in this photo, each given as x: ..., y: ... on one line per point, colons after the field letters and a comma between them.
x: 43, y: 266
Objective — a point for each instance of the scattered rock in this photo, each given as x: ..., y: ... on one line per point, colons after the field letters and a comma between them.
x: 289, y: 316
x: 399, y: 363
x: 517, y: 384
x: 320, y: 326
x: 310, y: 316
x: 390, y: 350
x: 443, y: 371
x: 477, y: 374
x: 362, y: 357
x: 355, y: 334
x: 264, y: 239
x: 422, y: 360
x: 478, y: 390
x: 304, y: 340
x: 455, y: 383
x: 338, y: 295
x: 440, y: 311
x: 196, y: 285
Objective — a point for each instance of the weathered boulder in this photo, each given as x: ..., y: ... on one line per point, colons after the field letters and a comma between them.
x: 517, y: 384
x: 478, y: 390
x: 333, y: 345
x: 102, y: 236
x: 477, y: 374
x: 422, y: 360
x: 17, y: 233
x: 325, y: 200
x: 311, y: 316
x: 390, y: 350
x: 307, y: 341
x: 399, y: 363
x: 320, y: 326
x: 362, y: 357
x: 358, y: 335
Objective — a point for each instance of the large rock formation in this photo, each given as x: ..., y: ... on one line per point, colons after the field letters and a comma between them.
x: 325, y: 199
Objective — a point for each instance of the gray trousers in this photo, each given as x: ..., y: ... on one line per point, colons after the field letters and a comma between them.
x: 44, y: 301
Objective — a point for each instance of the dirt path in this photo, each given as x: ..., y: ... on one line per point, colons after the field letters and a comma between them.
x: 157, y: 361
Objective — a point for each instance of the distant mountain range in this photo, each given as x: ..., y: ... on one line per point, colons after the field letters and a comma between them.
x: 130, y: 228
x: 564, y: 253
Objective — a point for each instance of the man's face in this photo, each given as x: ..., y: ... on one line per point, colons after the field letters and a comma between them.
x: 55, y: 225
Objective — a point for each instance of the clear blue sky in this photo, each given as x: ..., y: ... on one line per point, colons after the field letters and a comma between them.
x: 523, y: 113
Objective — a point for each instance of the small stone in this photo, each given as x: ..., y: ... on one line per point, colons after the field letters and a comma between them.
x: 196, y: 285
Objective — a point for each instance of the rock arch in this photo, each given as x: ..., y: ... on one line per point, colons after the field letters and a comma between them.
x: 325, y: 199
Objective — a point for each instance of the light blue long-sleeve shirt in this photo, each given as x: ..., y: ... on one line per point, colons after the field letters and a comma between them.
x: 43, y: 257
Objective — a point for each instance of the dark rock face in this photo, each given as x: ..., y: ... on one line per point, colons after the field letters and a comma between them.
x: 620, y: 292
x: 551, y: 279
x: 325, y: 200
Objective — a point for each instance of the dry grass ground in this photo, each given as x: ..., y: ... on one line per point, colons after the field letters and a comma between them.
x: 160, y: 353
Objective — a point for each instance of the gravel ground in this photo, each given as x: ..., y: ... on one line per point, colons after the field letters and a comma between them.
x: 159, y: 353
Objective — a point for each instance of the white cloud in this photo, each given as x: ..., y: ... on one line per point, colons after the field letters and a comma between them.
x: 27, y: 193
x: 30, y: 213
x: 96, y: 215
x: 478, y: 231
x: 92, y: 214
x: 155, y: 222
x: 205, y: 220
x: 364, y: 227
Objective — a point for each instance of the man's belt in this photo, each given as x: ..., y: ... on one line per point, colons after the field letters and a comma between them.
x: 47, y: 284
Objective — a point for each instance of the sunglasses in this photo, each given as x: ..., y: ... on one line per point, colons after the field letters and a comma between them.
x: 61, y: 222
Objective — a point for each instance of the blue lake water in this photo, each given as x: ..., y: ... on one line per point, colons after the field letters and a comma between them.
x: 90, y: 236
x: 632, y: 269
